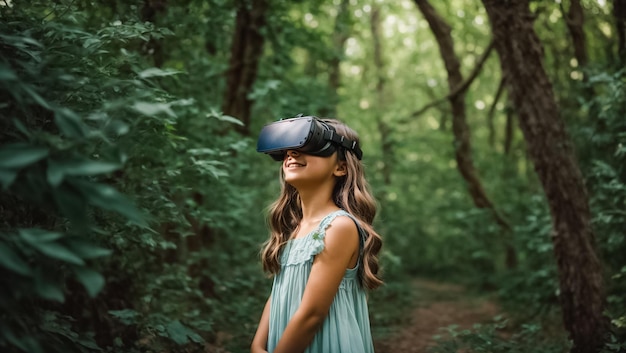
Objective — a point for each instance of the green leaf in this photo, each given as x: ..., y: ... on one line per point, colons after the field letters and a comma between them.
x: 19, y: 155
x: 12, y: 261
x: 87, y: 250
x: 88, y: 342
x: 44, y: 242
x: 25, y: 343
x: 604, y: 169
x: 92, y: 42
x: 8, y: 335
x: 230, y: 119
x: 69, y: 123
x: 48, y: 288
x: 126, y: 316
x: 21, y: 127
x: 89, y: 167
x: 601, y: 78
x: 117, y: 128
x: 7, y: 177
x: 108, y: 198
x: 59, y: 252
x: 54, y: 174
x: 156, y: 72
x: 152, y: 109
x: 72, y: 205
x: 92, y: 280
x: 620, y: 151
x: 227, y: 118
x: 181, y: 334
x: 35, y: 235
x: 35, y: 96
x: 7, y: 74
x: 20, y: 41
x: 80, y: 167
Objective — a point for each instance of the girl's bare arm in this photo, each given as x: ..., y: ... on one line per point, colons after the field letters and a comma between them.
x: 340, y: 252
x: 259, y: 343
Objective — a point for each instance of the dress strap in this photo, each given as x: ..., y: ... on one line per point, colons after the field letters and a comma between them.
x: 327, y: 220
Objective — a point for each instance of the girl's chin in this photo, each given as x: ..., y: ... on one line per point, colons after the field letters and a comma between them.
x: 295, y: 181
x: 293, y: 174
x: 291, y: 180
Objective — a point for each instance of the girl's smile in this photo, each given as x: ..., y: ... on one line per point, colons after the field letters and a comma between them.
x: 293, y: 159
x: 293, y: 164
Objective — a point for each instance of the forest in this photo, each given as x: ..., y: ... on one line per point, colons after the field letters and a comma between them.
x: 134, y: 205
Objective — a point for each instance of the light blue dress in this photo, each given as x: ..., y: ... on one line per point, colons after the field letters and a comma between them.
x: 346, y: 329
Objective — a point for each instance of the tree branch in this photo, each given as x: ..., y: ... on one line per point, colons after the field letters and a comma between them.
x: 492, y: 111
x: 460, y: 89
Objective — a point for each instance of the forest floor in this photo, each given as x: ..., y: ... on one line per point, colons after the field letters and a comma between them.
x: 439, y: 305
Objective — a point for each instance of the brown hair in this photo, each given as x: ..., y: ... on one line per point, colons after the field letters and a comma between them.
x: 351, y: 193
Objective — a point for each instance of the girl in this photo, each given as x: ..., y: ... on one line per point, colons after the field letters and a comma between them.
x: 322, y: 249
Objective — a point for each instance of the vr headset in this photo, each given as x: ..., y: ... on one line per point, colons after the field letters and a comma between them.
x: 306, y: 134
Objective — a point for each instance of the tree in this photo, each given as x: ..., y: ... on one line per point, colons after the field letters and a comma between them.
x: 154, y: 47
x: 383, y: 127
x: 575, y: 18
x: 460, y: 128
x: 246, y: 50
x: 580, y: 275
x: 340, y: 36
x: 619, y: 12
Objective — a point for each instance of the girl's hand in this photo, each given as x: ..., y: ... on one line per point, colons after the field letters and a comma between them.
x: 260, y: 338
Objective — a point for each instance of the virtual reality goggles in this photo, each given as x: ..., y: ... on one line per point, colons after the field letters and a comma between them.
x: 306, y: 134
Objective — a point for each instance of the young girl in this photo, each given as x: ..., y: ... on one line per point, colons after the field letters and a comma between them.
x: 322, y: 249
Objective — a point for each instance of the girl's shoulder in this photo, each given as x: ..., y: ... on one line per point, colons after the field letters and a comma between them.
x: 339, y: 238
x: 338, y: 221
x: 337, y: 229
x: 329, y: 218
x: 339, y: 218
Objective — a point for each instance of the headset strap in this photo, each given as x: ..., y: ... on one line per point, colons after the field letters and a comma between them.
x: 353, y: 146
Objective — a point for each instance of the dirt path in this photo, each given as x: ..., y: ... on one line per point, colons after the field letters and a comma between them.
x: 439, y: 305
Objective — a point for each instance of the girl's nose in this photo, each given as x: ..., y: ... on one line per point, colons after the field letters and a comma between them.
x: 293, y: 153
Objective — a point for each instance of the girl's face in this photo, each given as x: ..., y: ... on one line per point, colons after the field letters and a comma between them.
x: 301, y: 169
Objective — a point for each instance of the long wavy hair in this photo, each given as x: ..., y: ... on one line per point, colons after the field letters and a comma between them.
x: 351, y: 193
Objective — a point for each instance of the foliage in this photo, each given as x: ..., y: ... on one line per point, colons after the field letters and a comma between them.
x: 536, y: 270
x: 497, y: 337
x: 74, y: 116
x: 133, y: 213
x: 606, y: 173
x: 55, y: 152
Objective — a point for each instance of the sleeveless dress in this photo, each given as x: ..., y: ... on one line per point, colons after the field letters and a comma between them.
x: 346, y: 329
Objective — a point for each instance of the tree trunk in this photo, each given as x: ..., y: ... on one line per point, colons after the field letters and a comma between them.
x: 340, y: 35
x: 619, y: 12
x: 154, y: 46
x: 383, y: 127
x: 508, y: 129
x: 460, y: 128
x: 492, y: 112
x: 245, y: 52
x: 549, y: 147
x: 442, y: 30
x: 575, y: 18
